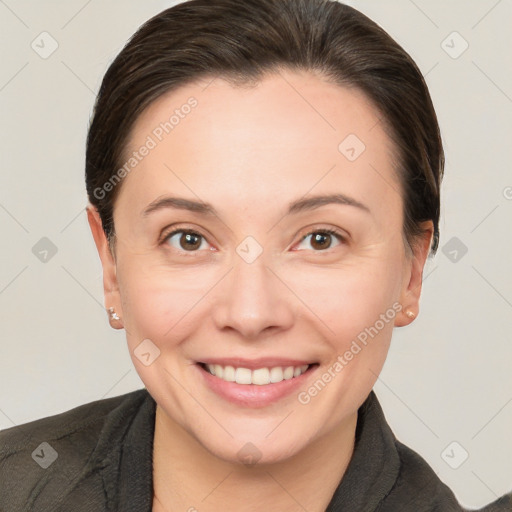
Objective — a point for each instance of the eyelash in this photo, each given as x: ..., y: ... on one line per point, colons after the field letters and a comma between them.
x: 326, y: 231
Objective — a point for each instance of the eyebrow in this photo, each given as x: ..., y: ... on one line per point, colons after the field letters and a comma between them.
x: 294, y: 207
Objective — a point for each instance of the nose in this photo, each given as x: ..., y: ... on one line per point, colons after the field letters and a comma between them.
x: 253, y: 300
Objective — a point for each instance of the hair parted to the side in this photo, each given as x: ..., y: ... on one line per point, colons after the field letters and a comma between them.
x: 241, y: 41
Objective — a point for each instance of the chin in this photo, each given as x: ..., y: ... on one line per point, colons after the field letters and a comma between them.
x: 257, y: 453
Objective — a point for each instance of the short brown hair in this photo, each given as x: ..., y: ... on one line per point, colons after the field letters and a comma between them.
x: 240, y: 40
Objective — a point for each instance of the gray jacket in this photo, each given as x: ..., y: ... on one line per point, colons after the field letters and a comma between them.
x: 98, y: 457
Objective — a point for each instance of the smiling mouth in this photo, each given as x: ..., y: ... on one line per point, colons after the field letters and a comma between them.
x: 259, y: 376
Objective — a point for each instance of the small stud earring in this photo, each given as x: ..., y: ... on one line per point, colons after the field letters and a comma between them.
x: 410, y: 314
x: 113, y: 314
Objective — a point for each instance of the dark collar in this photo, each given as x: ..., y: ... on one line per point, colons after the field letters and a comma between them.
x: 128, y: 469
x: 375, y: 464
x: 124, y: 454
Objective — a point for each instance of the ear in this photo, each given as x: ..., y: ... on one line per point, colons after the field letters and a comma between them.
x: 110, y: 285
x: 415, y: 263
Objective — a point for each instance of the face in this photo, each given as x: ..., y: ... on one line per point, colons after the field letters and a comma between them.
x: 260, y: 241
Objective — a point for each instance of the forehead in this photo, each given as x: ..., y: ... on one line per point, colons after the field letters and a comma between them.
x: 289, y: 133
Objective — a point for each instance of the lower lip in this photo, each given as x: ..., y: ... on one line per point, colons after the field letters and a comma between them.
x: 253, y: 395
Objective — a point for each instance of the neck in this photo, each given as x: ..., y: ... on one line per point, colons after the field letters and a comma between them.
x: 187, y: 477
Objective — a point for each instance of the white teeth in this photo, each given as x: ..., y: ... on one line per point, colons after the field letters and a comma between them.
x: 276, y: 374
x: 260, y: 376
x: 243, y: 376
x: 288, y: 373
x: 229, y: 374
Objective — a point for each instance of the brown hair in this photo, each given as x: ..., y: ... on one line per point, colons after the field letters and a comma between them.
x: 240, y: 40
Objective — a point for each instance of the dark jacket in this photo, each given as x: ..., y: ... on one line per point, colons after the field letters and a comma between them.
x: 98, y: 457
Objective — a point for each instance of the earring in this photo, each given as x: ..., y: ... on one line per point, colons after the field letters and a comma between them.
x: 113, y: 314
x: 410, y: 314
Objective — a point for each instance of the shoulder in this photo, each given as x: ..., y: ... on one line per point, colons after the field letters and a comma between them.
x: 427, y: 492
x: 56, y: 452
x: 503, y: 504
x: 73, y: 422
x: 410, y: 482
x: 420, y: 484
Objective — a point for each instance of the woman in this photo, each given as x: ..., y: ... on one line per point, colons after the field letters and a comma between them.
x: 264, y: 181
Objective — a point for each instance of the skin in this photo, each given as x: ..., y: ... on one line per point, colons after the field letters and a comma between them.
x: 250, y: 151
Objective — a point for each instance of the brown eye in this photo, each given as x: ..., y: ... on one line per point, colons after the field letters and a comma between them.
x: 188, y: 240
x: 323, y: 239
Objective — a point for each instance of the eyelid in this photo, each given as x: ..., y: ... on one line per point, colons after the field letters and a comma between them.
x: 319, y: 228
x: 176, y: 228
x: 169, y: 231
x: 332, y: 231
x: 173, y: 228
x: 343, y: 236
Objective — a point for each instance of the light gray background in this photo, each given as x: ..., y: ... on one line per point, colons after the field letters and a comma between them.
x: 448, y: 376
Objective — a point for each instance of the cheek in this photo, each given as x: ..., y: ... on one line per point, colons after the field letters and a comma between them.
x: 350, y: 298
x: 159, y: 303
x: 355, y: 308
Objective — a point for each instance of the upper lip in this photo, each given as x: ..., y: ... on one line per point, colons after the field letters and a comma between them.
x: 252, y: 364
